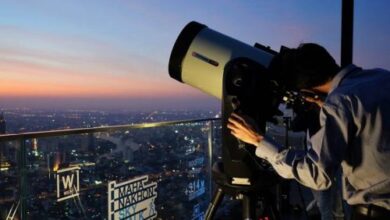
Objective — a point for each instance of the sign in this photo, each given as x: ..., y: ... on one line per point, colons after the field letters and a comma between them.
x: 196, y: 162
x: 68, y: 183
x: 197, y: 213
x: 195, y: 189
x: 132, y: 199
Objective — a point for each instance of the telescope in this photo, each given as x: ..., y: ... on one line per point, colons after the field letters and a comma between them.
x: 200, y: 55
x: 237, y: 74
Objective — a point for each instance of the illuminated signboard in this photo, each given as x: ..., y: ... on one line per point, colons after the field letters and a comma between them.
x: 197, y: 213
x: 195, y: 189
x: 68, y: 183
x: 196, y: 162
x: 132, y: 199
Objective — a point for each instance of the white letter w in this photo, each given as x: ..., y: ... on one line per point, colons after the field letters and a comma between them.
x: 68, y: 182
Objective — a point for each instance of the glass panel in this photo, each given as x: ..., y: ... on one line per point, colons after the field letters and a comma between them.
x: 9, y: 179
x: 161, y: 171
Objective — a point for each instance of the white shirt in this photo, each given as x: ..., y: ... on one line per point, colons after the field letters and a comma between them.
x: 355, y: 132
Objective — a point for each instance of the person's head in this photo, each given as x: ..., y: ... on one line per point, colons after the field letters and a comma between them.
x: 305, y: 67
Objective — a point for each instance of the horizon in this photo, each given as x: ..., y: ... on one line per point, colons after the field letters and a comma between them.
x: 114, y: 55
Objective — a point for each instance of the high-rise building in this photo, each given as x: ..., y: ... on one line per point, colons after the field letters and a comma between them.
x: 2, y: 146
x: 91, y: 143
x: 35, y: 147
x: 3, y: 126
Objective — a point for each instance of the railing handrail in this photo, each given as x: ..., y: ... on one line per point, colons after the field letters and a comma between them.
x: 63, y: 132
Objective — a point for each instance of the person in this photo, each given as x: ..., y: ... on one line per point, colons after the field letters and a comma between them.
x: 354, y: 129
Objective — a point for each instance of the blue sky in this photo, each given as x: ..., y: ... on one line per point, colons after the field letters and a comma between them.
x: 114, y: 54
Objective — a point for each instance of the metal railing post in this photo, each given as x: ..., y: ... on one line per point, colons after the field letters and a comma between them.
x: 347, y: 8
x: 210, y: 154
x: 22, y: 167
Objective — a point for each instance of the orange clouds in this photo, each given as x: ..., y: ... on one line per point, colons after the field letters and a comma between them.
x: 46, y: 64
x: 28, y: 79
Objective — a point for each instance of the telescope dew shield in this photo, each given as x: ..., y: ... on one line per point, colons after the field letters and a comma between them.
x: 200, y: 54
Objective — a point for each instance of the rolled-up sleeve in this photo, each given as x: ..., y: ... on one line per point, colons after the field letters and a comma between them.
x: 314, y: 168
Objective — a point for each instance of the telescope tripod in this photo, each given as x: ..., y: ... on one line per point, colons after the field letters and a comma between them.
x: 248, y: 194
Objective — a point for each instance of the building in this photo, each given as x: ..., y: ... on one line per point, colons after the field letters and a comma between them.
x: 3, y: 126
x: 2, y: 146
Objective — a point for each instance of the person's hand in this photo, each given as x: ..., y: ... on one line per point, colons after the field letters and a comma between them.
x: 317, y: 101
x: 313, y: 97
x: 244, y: 129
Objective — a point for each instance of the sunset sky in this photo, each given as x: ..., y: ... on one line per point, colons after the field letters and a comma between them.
x: 114, y: 54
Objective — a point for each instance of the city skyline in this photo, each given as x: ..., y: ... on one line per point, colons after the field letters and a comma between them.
x: 110, y: 55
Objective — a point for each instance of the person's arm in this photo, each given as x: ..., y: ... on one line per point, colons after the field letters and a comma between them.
x: 295, y: 164
x: 314, y: 168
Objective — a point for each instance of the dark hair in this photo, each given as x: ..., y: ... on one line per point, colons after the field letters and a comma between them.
x: 307, y: 66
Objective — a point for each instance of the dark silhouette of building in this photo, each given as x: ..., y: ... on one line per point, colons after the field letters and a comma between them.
x: 3, y: 126
x: 2, y: 146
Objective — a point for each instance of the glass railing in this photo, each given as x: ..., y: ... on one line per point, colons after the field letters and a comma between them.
x: 141, y: 171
